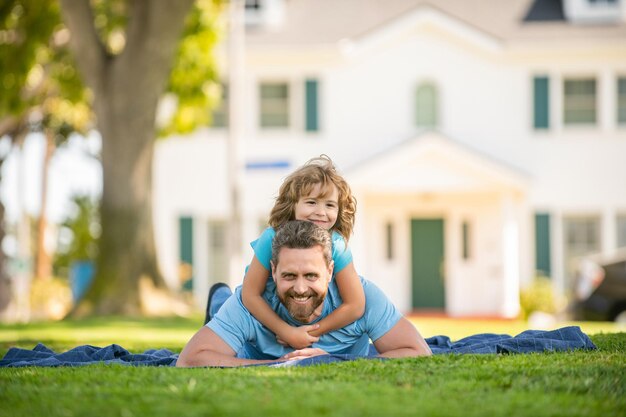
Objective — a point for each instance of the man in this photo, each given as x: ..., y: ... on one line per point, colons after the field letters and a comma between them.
x: 301, y: 269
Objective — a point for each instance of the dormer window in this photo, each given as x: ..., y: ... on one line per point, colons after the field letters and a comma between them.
x: 593, y: 11
x: 426, y: 105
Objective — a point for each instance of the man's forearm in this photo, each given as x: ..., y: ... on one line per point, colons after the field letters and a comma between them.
x: 403, y: 340
x: 210, y: 358
x: 406, y: 353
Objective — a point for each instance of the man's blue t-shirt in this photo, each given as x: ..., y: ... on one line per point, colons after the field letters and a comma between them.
x: 342, y: 256
x: 250, y: 339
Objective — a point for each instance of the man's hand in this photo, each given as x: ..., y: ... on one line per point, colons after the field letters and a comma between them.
x: 298, y: 337
x: 304, y: 353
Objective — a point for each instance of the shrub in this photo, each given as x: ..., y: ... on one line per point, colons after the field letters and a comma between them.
x: 538, y: 296
x: 50, y: 299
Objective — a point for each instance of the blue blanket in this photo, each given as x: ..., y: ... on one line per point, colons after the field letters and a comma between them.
x: 560, y: 340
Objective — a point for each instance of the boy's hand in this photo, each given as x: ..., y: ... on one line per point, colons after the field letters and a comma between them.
x: 298, y: 337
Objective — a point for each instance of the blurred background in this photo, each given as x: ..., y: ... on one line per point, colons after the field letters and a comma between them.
x: 143, y: 147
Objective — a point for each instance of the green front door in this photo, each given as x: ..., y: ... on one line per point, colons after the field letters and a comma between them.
x: 427, y: 251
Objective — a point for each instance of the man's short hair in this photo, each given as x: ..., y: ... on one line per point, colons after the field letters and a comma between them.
x: 301, y: 234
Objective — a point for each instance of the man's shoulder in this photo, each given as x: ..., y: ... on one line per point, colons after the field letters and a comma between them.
x: 373, y: 293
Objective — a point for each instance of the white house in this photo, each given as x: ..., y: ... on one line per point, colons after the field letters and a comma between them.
x: 485, y: 141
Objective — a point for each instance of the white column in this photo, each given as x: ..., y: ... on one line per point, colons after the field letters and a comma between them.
x: 358, y: 240
x: 556, y: 103
x: 608, y: 231
x: 453, y: 258
x: 511, y: 257
x: 606, y: 90
x: 558, y: 251
x: 200, y: 261
x: 236, y: 63
x: 526, y: 228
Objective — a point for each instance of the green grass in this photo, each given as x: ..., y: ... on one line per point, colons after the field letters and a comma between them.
x: 554, y: 384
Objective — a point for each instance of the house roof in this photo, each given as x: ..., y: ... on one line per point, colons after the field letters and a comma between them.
x: 432, y: 162
x: 323, y: 22
x: 545, y: 10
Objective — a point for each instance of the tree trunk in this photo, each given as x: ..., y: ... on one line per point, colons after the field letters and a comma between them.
x: 126, y: 245
x: 43, y: 263
x: 5, y: 282
x: 126, y: 89
x: 15, y: 129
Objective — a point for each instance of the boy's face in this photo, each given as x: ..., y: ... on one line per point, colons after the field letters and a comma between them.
x: 321, y: 206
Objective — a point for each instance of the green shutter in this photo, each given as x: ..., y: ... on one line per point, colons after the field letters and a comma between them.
x: 311, y: 103
x: 186, y: 239
x: 542, y: 244
x: 621, y: 101
x: 541, y: 103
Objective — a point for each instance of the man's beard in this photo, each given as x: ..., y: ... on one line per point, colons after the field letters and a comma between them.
x: 301, y: 312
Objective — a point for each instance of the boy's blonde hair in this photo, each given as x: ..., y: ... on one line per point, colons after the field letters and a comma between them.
x: 316, y: 171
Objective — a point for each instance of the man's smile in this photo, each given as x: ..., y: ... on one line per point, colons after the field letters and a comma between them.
x: 301, y: 299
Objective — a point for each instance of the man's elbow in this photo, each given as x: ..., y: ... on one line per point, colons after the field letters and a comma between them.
x: 183, y: 361
x: 423, y: 351
x: 190, y: 359
x: 407, y: 352
x: 421, y: 348
x: 418, y: 350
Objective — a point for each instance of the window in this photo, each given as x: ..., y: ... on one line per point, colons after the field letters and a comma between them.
x: 621, y: 100
x: 220, y: 112
x: 579, y: 101
x: 389, y: 232
x: 466, y: 233
x: 582, y: 237
x: 621, y: 231
x: 274, y: 105
x: 426, y: 105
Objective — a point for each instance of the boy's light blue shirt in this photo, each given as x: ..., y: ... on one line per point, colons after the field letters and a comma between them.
x: 250, y: 339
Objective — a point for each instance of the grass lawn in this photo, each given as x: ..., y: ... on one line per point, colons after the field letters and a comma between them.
x: 555, y: 384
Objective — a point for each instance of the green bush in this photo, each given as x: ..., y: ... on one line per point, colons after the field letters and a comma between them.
x: 50, y: 299
x: 538, y: 296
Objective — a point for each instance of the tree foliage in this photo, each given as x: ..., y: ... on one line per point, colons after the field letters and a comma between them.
x: 193, y: 83
x: 194, y: 80
x: 42, y: 88
x: 42, y: 85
